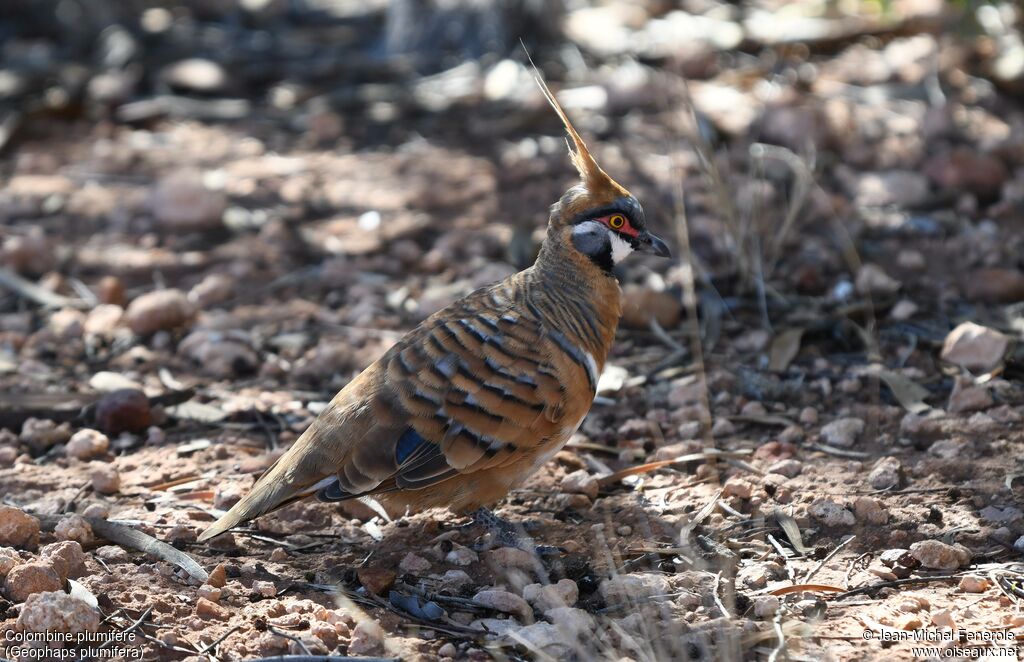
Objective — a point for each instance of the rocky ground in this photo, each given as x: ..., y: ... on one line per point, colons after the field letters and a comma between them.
x: 197, y: 255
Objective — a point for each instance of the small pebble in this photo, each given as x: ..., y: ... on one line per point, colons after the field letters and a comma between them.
x: 843, y: 432
x: 766, y: 606
x: 66, y: 558
x: 367, y: 638
x: 830, y: 513
x: 87, y: 444
x: 41, y: 434
x: 264, y: 588
x: 461, y: 556
x: 208, y: 609
x: 218, y: 576
x: 105, y: 478
x: 505, y: 601
x: 8, y: 559
x: 414, y: 564
x: 123, y: 410
x: 376, y: 580
x: 938, y: 555
x: 74, y: 527
x: 809, y: 416
x: 974, y: 584
x: 581, y: 482
x: 162, y: 310
x: 112, y: 554
x: 885, y: 474
x: 789, y: 468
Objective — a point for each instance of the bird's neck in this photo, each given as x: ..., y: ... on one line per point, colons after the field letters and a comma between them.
x: 582, y: 300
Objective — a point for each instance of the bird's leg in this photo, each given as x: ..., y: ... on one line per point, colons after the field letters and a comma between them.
x: 504, y: 533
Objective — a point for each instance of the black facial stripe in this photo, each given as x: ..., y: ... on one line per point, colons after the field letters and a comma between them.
x: 626, y: 205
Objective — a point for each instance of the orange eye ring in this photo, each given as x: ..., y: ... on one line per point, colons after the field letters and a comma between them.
x: 617, y: 221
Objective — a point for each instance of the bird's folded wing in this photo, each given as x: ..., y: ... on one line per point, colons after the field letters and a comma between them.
x: 472, y: 390
x: 473, y: 387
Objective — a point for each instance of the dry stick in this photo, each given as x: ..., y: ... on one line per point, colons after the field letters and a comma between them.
x: 668, y: 340
x: 127, y: 537
x: 821, y: 564
x: 785, y: 557
x: 871, y: 588
x: 860, y: 562
x: 216, y: 642
x: 153, y: 640
x: 131, y: 628
x: 682, y: 228
x: 804, y: 180
x: 781, y: 648
x: 718, y: 600
x: 29, y: 290
x: 280, y: 633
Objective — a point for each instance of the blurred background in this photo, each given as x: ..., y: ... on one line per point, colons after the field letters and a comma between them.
x: 237, y: 205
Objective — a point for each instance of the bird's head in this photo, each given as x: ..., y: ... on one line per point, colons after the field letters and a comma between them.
x: 598, y: 217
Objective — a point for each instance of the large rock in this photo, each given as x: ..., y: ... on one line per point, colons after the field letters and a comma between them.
x: 940, y: 556
x: 56, y: 611
x: 18, y: 528
x: 830, y: 513
x: 29, y: 578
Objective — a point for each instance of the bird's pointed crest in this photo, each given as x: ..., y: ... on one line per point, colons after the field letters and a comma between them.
x: 597, y: 182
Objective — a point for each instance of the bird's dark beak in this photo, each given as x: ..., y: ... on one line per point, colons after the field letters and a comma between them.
x: 652, y: 244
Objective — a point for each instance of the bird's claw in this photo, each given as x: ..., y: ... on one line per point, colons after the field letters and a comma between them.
x: 502, y: 533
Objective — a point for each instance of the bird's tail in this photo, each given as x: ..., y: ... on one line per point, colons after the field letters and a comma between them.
x: 279, y: 486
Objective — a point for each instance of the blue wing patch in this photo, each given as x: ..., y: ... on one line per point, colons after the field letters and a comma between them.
x: 407, y: 444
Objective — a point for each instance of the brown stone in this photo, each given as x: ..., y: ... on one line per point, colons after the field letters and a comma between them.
x: 376, y: 580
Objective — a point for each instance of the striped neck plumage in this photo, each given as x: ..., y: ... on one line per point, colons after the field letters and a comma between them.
x: 574, y: 295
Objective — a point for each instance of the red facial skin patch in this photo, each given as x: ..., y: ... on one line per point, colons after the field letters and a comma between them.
x: 626, y: 229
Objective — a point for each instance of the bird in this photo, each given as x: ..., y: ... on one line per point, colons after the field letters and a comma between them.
x: 481, y: 394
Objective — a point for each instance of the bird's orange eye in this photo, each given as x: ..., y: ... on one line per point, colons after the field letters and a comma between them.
x: 617, y: 221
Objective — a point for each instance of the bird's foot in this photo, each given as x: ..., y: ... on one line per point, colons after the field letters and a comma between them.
x: 503, y: 533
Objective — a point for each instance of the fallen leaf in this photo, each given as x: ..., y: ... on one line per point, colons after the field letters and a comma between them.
x: 80, y: 592
x: 800, y: 588
x: 785, y: 347
x: 792, y: 531
x: 907, y: 392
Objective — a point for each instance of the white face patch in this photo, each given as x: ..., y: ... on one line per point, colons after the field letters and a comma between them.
x: 620, y: 247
